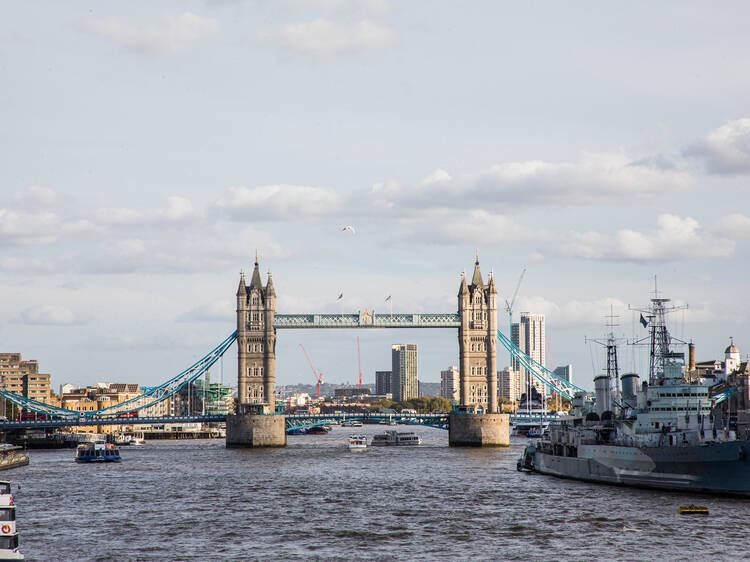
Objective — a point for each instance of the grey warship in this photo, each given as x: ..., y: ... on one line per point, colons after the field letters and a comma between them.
x: 667, y: 433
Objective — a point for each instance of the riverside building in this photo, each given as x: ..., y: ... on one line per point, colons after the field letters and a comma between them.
x: 529, y: 336
x: 449, y: 384
x: 404, y: 379
x: 23, y: 377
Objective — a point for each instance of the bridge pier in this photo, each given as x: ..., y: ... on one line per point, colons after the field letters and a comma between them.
x: 256, y: 430
x: 479, y: 430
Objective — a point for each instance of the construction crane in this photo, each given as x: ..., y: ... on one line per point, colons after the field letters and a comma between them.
x: 509, y: 308
x: 509, y: 305
x: 359, y: 364
x: 318, y: 376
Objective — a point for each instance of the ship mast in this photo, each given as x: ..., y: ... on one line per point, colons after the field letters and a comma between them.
x: 659, y: 338
x: 613, y: 372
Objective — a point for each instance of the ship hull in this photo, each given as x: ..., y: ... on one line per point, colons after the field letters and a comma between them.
x: 720, y: 468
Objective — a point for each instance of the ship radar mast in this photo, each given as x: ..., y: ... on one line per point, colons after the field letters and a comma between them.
x: 661, y: 358
x: 612, y: 369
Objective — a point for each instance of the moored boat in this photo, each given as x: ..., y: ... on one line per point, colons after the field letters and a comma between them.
x: 99, y: 451
x: 11, y: 456
x: 393, y: 437
x: 667, y: 433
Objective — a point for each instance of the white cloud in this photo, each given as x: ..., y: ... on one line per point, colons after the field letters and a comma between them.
x: 178, y: 210
x: 217, y: 311
x: 47, y: 314
x: 596, y: 179
x: 575, y: 312
x: 36, y: 196
x: 279, y: 201
x: 725, y: 150
x: 324, y: 38
x: 674, y: 239
x: 30, y: 228
x: 451, y: 226
x: 176, y: 35
x: 199, y: 250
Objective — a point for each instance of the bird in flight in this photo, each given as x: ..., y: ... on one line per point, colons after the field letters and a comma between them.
x: 350, y: 228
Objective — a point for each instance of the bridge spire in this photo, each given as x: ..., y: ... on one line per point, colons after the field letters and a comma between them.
x: 476, y: 280
x: 242, y: 289
x: 255, y: 282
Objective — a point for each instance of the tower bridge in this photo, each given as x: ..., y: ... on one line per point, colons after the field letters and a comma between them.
x: 475, y: 422
x: 258, y: 323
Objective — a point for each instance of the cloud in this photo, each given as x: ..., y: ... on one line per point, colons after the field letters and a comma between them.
x: 176, y: 35
x: 197, y: 250
x: 279, y: 201
x: 217, y: 311
x: 19, y: 228
x: 47, y: 314
x: 451, y: 226
x: 571, y: 313
x: 725, y: 150
x: 674, y: 239
x: 595, y: 179
x: 177, y: 210
x: 36, y: 196
x: 325, y: 38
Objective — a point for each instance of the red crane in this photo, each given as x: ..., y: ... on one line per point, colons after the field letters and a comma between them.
x: 318, y: 376
x: 359, y: 364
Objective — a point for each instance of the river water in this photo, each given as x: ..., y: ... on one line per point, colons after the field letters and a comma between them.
x: 196, y: 500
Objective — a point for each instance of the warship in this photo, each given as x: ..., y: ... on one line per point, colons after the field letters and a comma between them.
x: 665, y: 433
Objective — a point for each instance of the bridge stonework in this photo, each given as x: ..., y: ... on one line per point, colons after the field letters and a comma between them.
x: 477, y: 342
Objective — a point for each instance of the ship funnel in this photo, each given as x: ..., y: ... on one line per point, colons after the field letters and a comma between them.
x: 603, y: 394
x: 629, y: 389
x: 691, y: 357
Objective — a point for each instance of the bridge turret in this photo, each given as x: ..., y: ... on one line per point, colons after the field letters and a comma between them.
x: 477, y: 309
x: 269, y: 342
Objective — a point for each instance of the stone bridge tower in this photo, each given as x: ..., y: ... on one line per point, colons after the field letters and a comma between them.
x: 477, y: 341
x: 256, y: 343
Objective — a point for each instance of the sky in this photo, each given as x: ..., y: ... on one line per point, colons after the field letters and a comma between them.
x: 150, y: 148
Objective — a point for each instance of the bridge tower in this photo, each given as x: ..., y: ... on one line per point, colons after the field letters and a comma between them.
x: 256, y: 342
x: 477, y: 342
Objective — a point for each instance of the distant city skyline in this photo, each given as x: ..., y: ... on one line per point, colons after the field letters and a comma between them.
x: 150, y: 149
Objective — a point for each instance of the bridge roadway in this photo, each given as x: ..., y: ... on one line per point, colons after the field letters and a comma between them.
x: 293, y: 421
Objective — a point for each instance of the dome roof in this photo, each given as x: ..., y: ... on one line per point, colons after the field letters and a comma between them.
x: 732, y: 348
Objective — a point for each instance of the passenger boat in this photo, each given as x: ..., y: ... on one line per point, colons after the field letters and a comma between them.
x: 99, y: 451
x: 12, y: 457
x: 318, y: 430
x: 136, y: 440
x: 393, y: 437
x: 351, y: 423
x: 357, y: 442
x: 8, y: 531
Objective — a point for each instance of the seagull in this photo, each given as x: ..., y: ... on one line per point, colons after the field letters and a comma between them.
x: 349, y: 228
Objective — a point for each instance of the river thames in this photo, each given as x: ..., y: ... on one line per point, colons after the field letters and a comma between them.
x: 196, y: 500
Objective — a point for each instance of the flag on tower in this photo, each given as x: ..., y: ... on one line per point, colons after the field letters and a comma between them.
x: 387, y: 298
x: 341, y: 296
x: 644, y: 321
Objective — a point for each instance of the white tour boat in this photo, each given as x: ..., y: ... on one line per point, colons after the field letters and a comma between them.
x: 393, y: 437
x: 357, y: 442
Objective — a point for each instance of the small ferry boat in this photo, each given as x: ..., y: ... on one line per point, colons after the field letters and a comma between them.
x: 12, y: 457
x: 393, y: 437
x: 351, y: 423
x: 136, y: 440
x: 8, y: 531
x: 357, y: 442
x: 99, y: 451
